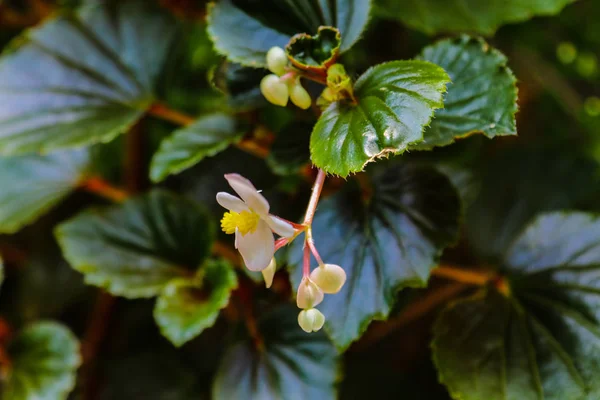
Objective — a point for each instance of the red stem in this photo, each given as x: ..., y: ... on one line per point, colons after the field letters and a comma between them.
x: 306, y: 265
x: 314, y: 198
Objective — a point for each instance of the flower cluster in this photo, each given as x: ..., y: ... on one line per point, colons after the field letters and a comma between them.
x: 249, y: 219
x: 325, y: 279
x: 284, y: 83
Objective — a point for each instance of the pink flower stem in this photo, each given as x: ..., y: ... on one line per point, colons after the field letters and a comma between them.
x: 306, y: 265
x: 279, y: 243
x: 311, y: 245
x: 314, y: 198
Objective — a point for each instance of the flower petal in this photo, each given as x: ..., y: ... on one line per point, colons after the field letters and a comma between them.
x: 246, y: 190
x: 280, y: 227
x: 257, y: 248
x: 231, y: 202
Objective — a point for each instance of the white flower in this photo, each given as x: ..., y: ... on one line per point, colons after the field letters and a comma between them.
x: 277, y: 60
x: 311, y: 320
x: 251, y: 222
x: 300, y: 96
x: 309, y: 294
x: 275, y: 90
x: 269, y: 273
x: 329, y: 277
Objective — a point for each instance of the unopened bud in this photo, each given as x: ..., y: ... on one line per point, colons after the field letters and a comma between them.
x: 300, y: 96
x: 329, y: 277
x: 311, y: 320
x: 309, y: 294
x: 274, y: 90
x: 277, y: 60
x: 269, y: 272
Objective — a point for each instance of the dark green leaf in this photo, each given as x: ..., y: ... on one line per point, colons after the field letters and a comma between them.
x: 187, y: 307
x: 137, y: 248
x: 81, y: 79
x: 516, y: 185
x: 240, y: 84
x: 434, y: 16
x: 481, y: 98
x: 155, y: 374
x: 245, y: 30
x: 292, y: 365
x: 315, y: 52
x: 290, y: 150
x: 391, y: 241
x: 33, y: 184
x: 395, y: 101
x: 206, y: 137
x: 542, y: 342
x: 44, y: 358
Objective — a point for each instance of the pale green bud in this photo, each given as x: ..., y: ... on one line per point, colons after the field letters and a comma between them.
x: 300, y: 96
x: 309, y: 294
x: 269, y: 272
x: 311, y: 320
x: 329, y: 277
x: 274, y: 90
x: 277, y: 60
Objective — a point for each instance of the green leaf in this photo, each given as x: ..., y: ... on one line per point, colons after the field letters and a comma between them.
x: 315, y: 53
x: 240, y: 84
x: 187, y: 307
x: 99, y: 66
x: 435, y: 16
x: 292, y: 365
x: 517, y: 184
x: 481, y: 98
x: 44, y: 358
x: 391, y: 241
x: 33, y: 184
x: 137, y: 248
x: 290, y: 150
x: 394, y: 102
x: 244, y: 31
x: 186, y: 147
x: 544, y: 340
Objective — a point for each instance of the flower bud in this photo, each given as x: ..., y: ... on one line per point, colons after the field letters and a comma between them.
x: 269, y: 272
x: 274, y: 90
x: 277, y: 60
x: 300, y: 96
x: 309, y: 294
x: 311, y: 320
x: 329, y: 277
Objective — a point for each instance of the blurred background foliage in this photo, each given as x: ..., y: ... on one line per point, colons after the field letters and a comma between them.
x: 553, y: 163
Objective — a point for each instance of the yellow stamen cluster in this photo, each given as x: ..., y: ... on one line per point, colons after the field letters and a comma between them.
x: 245, y: 222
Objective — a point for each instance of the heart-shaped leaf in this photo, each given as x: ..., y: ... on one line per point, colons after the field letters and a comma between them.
x: 43, y: 360
x: 186, y: 307
x: 186, y: 147
x: 390, y: 241
x: 244, y: 31
x: 434, y: 16
x: 394, y: 102
x: 292, y: 364
x: 481, y: 98
x: 516, y: 185
x: 315, y: 53
x: 33, y: 184
x: 543, y: 340
x: 290, y: 150
x: 240, y: 84
x: 82, y: 78
x: 137, y: 248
